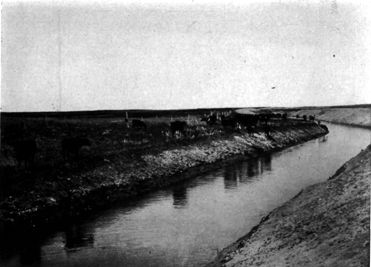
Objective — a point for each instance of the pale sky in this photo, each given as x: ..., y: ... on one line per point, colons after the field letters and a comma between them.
x: 190, y: 55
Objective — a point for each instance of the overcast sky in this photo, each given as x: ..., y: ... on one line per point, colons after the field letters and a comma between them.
x: 189, y: 55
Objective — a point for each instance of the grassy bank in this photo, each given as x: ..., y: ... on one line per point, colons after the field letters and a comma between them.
x: 326, y: 224
x: 125, y: 175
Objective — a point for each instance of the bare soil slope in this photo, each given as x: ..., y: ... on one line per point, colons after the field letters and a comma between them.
x: 327, y: 224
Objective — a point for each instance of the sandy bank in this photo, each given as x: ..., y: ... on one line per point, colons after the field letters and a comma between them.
x: 74, y: 195
x: 326, y: 224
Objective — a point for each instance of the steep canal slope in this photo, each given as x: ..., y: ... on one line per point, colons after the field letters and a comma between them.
x: 75, y: 194
x: 327, y: 224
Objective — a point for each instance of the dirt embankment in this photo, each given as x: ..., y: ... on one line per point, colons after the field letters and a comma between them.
x: 326, y: 224
x: 354, y: 116
x: 70, y: 196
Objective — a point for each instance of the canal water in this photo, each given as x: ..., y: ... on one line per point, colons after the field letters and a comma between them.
x: 185, y: 225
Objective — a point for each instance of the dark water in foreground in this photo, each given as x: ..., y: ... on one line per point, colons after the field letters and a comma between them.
x: 186, y: 224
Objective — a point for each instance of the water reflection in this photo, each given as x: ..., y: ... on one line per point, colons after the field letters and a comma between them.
x: 180, y: 196
x: 230, y: 177
x: 267, y: 162
x: 26, y: 244
x: 252, y: 167
x: 77, y: 236
x: 30, y: 251
x: 258, y: 166
x: 244, y: 171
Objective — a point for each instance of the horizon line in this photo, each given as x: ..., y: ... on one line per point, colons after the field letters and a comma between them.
x: 180, y: 109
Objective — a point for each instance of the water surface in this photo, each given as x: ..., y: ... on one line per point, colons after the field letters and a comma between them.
x: 186, y: 224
